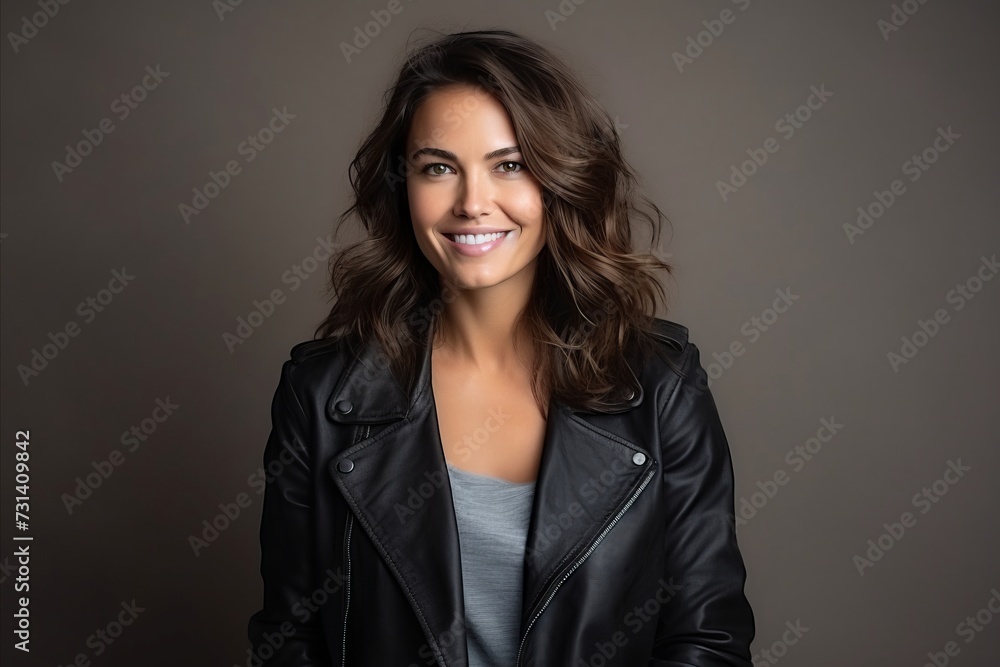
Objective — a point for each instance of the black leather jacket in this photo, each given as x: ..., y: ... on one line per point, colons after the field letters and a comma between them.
x: 631, y: 556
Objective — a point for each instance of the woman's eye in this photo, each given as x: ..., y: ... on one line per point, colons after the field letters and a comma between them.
x: 514, y: 167
x: 440, y: 169
x: 436, y: 169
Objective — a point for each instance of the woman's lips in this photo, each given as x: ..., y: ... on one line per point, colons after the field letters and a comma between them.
x: 478, y: 250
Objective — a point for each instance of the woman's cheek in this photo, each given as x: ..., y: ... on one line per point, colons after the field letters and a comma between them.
x: 426, y: 204
x: 529, y: 207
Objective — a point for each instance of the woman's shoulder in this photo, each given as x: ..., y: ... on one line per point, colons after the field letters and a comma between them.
x: 673, y: 334
x: 673, y: 345
x: 676, y: 360
x: 314, y: 366
x: 319, y: 350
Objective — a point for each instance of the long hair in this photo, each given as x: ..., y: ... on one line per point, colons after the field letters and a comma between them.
x: 593, y: 298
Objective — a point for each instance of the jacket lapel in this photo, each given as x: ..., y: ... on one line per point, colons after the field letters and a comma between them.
x: 396, y: 483
x: 587, y: 476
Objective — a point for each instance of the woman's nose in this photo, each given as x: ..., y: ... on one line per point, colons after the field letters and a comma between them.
x: 475, y: 197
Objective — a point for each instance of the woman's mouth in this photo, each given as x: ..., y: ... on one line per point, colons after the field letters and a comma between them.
x: 475, y: 239
x: 474, y: 245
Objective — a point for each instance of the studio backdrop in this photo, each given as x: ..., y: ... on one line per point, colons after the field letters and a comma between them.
x: 172, y: 173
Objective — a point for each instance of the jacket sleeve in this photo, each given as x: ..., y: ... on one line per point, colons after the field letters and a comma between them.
x: 709, y: 621
x: 284, y: 633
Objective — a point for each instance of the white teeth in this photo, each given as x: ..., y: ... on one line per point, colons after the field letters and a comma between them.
x: 475, y: 239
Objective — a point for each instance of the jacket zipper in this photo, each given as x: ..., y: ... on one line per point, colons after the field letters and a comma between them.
x: 347, y: 557
x: 385, y: 556
x: 347, y: 585
x: 579, y: 562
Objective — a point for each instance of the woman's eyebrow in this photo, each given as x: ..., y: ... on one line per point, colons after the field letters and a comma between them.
x: 448, y: 155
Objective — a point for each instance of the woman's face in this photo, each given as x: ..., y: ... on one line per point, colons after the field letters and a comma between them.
x: 476, y: 210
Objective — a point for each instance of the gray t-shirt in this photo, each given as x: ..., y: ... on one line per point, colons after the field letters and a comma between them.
x: 493, y: 516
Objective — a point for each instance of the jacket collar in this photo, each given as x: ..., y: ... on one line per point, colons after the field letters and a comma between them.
x: 376, y: 396
x: 398, y: 488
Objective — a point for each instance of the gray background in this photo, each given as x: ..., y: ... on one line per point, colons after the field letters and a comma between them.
x: 825, y: 357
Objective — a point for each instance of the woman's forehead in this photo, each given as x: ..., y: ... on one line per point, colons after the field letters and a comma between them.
x: 467, y: 117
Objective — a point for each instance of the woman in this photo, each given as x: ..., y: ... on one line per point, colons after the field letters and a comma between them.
x: 493, y: 453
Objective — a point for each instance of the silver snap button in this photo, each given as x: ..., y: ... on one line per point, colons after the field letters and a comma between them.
x: 638, y: 458
x: 345, y: 466
x: 344, y: 407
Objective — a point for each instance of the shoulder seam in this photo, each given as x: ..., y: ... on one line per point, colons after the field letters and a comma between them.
x: 308, y: 348
x: 672, y: 332
x: 684, y: 375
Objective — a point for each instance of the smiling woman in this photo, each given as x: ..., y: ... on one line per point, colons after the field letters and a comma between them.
x: 501, y: 452
x: 474, y: 197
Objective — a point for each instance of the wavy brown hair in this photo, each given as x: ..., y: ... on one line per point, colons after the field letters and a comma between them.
x: 593, y: 298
